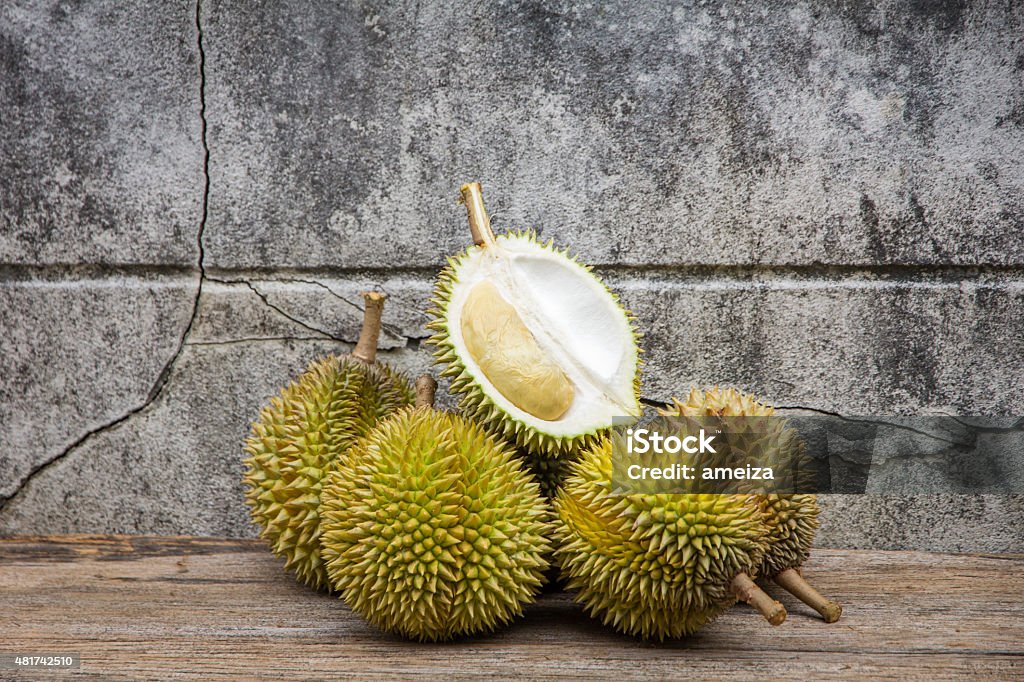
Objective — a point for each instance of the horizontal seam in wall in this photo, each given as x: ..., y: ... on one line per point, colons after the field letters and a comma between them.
x: 672, y: 272
x: 687, y: 283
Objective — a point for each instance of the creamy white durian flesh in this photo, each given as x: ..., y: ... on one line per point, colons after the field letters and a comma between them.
x: 538, y: 347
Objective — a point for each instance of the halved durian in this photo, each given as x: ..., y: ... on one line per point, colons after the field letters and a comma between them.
x: 540, y: 349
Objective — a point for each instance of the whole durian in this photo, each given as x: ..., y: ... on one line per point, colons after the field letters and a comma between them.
x: 550, y: 472
x: 540, y: 350
x: 432, y: 529
x: 791, y: 518
x: 657, y: 565
x: 299, y: 437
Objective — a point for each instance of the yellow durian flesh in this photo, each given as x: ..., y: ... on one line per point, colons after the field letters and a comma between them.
x: 510, y: 357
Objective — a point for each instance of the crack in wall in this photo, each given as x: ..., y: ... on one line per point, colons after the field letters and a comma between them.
x: 394, y: 331
x: 865, y: 420
x: 255, y: 339
x: 324, y: 335
x: 870, y: 421
x: 164, y: 376
x: 326, y: 287
x: 411, y: 341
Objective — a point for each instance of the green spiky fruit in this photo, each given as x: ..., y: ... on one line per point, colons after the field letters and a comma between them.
x: 550, y: 472
x: 300, y: 436
x: 653, y: 565
x: 434, y: 530
x: 540, y: 350
x: 792, y: 518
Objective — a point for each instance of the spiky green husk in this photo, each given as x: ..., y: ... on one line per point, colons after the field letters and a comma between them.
x: 433, y: 530
x: 653, y: 565
x: 550, y: 472
x: 792, y: 519
x: 299, y: 437
x: 474, y: 403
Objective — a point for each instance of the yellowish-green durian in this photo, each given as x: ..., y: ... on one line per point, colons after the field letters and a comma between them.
x: 301, y: 435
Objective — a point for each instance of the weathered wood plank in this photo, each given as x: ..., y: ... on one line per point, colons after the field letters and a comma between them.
x: 195, y: 608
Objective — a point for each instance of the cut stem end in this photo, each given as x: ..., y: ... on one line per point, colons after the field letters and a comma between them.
x: 479, y: 224
x: 747, y: 591
x: 794, y: 583
x: 425, y: 389
x: 366, y: 346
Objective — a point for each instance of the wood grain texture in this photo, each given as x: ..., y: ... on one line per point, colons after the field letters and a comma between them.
x: 198, y: 608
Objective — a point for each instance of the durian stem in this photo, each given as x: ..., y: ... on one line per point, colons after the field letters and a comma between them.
x: 794, y: 583
x: 366, y: 347
x: 746, y: 590
x: 479, y: 224
x: 425, y: 388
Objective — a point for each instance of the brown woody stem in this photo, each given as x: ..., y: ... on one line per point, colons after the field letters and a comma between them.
x: 794, y: 583
x: 366, y: 347
x: 746, y: 590
x: 425, y: 388
x: 479, y: 224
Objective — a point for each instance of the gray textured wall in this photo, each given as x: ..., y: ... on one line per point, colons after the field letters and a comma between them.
x: 820, y: 202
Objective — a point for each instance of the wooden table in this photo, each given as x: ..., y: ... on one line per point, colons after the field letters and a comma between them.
x: 195, y: 608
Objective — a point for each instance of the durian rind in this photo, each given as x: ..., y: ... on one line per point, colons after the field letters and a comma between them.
x: 475, y: 403
x: 717, y: 402
x: 433, y: 529
x: 791, y: 519
x: 549, y: 472
x: 792, y: 522
x: 652, y: 565
x: 299, y: 437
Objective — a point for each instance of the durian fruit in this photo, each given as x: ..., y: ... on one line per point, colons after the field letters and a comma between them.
x: 299, y: 437
x: 550, y: 472
x: 540, y: 350
x: 792, y: 518
x: 657, y: 565
x: 432, y: 529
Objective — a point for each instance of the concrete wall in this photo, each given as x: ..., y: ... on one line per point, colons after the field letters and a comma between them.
x: 819, y: 202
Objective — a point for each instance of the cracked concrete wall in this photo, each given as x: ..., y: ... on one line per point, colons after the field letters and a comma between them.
x: 822, y: 204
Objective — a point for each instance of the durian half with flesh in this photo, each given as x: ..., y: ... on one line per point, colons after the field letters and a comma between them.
x: 538, y: 347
